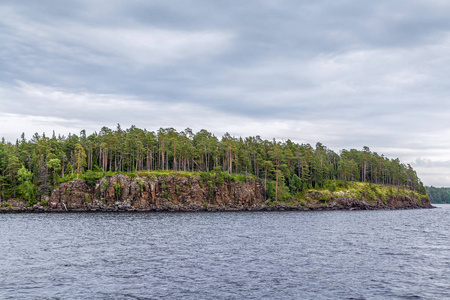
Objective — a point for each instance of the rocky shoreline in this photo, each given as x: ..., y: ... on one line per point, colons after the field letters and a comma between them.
x: 277, y: 207
x: 121, y: 193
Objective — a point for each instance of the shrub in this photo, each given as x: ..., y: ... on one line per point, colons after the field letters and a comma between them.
x: 92, y: 177
x: 104, y: 185
x: 31, y: 202
x: 324, y: 198
x: 117, y: 190
x: 283, y: 192
x: 141, y: 184
x: 330, y: 185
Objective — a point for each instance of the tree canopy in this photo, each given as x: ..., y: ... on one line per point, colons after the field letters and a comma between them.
x: 438, y: 195
x: 31, y: 168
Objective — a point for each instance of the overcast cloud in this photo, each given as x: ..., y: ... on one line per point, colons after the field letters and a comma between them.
x: 345, y: 73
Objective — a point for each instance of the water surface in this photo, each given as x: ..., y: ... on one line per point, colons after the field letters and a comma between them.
x: 230, y: 255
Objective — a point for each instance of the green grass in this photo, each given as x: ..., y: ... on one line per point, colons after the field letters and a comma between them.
x: 91, y: 177
x: 360, y: 190
x: 6, y: 204
x: 150, y: 174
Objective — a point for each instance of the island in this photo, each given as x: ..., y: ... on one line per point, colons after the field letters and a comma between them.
x: 140, y: 170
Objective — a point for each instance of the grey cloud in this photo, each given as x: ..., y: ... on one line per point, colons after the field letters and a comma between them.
x: 348, y: 73
x: 428, y: 163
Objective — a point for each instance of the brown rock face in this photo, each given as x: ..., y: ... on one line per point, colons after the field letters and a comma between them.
x: 392, y: 203
x: 178, y: 193
x: 121, y: 192
x: 70, y: 194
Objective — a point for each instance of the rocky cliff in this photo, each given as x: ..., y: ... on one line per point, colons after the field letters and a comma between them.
x: 191, y: 193
x: 175, y: 193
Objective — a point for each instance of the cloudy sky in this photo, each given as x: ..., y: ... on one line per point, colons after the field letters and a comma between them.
x: 345, y: 73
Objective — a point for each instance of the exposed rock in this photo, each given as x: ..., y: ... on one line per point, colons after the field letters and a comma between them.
x: 178, y: 193
x: 121, y: 192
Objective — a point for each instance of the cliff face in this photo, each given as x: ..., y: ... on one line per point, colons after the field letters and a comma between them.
x: 394, y: 202
x: 315, y: 201
x: 121, y: 192
x: 178, y: 193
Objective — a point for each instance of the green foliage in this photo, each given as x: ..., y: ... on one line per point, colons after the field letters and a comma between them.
x: 131, y: 175
x: 270, y: 189
x: 6, y: 204
x: 26, y: 188
x: 342, y: 185
x: 240, y: 177
x: 103, y: 185
x: 141, y: 184
x: 330, y: 185
x: 283, y: 192
x: 67, y: 178
x: 137, y: 152
x: 360, y: 190
x: 31, y: 202
x: 54, y: 166
x: 91, y: 177
x: 178, y: 190
x: 24, y: 175
x: 80, y: 156
x: 325, y: 198
x: 165, y: 174
x: 438, y: 195
x: 295, y: 184
x: 69, y: 168
x: 117, y: 190
x: 206, y: 176
x: 219, y: 177
x: 164, y: 191
x: 44, y: 203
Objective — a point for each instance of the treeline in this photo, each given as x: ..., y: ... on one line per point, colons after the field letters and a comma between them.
x: 438, y: 195
x: 32, y: 168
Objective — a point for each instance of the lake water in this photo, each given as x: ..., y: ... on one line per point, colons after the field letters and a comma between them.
x: 229, y: 255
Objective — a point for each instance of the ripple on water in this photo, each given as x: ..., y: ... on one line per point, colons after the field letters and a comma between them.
x: 234, y: 255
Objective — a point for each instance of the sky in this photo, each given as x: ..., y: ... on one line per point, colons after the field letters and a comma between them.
x: 346, y: 73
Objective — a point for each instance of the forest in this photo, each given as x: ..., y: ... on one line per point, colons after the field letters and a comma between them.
x: 438, y: 195
x: 32, y: 168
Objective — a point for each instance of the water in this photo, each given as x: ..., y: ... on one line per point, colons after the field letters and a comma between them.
x: 232, y: 255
